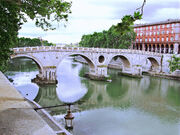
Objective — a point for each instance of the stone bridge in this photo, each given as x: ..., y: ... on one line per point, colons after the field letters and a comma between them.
x: 134, y: 62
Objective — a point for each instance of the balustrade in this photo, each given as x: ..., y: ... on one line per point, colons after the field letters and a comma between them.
x: 80, y: 49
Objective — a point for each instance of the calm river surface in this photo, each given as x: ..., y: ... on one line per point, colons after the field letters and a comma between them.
x: 125, y: 106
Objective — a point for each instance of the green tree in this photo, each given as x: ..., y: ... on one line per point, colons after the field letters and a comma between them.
x: 24, y: 42
x: 118, y: 36
x: 109, y: 39
x: 174, y: 63
x: 13, y: 13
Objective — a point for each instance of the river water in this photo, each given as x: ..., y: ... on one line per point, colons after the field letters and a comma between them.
x: 125, y: 106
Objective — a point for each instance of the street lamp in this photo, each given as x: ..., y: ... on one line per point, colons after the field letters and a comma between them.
x: 69, y: 118
x: 40, y: 38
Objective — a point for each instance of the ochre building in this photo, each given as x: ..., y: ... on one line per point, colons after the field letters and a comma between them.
x: 161, y: 37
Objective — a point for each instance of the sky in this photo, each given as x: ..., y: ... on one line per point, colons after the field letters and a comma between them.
x: 89, y: 16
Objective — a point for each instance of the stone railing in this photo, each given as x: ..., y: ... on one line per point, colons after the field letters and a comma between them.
x: 80, y: 49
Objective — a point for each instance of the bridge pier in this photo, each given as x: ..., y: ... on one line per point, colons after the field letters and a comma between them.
x: 99, y: 73
x: 46, y: 76
x: 135, y: 71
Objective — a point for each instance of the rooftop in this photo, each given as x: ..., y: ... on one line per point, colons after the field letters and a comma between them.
x: 156, y: 23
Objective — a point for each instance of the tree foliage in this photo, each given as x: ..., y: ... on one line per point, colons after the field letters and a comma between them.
x: 8, y: 31
x: 174, y: 63
x: 108, y: 39
x: 118, y: 36
x: 26, y: 42
x: 13, y: 13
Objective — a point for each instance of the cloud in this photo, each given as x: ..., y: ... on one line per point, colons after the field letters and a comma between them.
x: 89, y: 16
x: 164, y: 14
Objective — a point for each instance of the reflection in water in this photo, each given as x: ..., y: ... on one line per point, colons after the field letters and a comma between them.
x: 47, y: 97
x: 124, y: 106
x: 22, y: 70
x: 70, y: 88
x: 29, y: 91
x: 173, y: 96
x: 118, y: 88
x: 108, y: 121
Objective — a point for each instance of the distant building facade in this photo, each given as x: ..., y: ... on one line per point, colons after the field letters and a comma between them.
x: 161, y: 37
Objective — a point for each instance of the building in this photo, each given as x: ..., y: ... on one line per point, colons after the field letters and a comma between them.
x: 161, y: 37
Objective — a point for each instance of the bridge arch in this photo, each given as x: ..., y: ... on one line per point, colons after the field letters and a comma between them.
x: 125, y: 61
x: 154, y: 63
x: 88, y: 60
x: 38, y: 63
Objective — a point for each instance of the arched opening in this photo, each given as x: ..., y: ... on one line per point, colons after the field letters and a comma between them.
x: 167, y: 48
x: 158, y: 48
x: 101, y: 59
x: 172, y: 48
x: 78, y: 58
x: 134, y: 46
x: 153, y: 47
x: 153, y: 64
x: 137, y: 46
x: 140, y: 46
x: 150, y: 48
x: 39, y: 65
x: 21, y: 70
x: 146, y: 47
x: 162, y: 48
x: 179, y: 49
x: 119, y: 62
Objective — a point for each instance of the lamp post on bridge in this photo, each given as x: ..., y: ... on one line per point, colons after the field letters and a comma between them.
x: 40, y: 38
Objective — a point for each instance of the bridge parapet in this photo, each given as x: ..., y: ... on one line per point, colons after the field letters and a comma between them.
x: 80, y: 49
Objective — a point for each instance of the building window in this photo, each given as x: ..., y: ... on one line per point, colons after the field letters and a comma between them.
x: 166, y: 38
x: 146, y: 39
x: 172, y: 25
x: 158, y: 26
x: 172, y: 38
x: 162, y: 26
x: 149, y: 39
x: 154, y: 27
x: 172, y: 32
x: 167, y: 25
x: 140, y: 39
x: 154, y: 33
x: 150, y: 28
x: 158, y: 32
x: 150, y: 33
x: 140, y: 34
x: 162, y: 39
x: 158, y: 39
x: 147, y: 33
x: 167, y: 32
x: 162, y: 32
x: 146, y: 28
x: 154, y: 39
